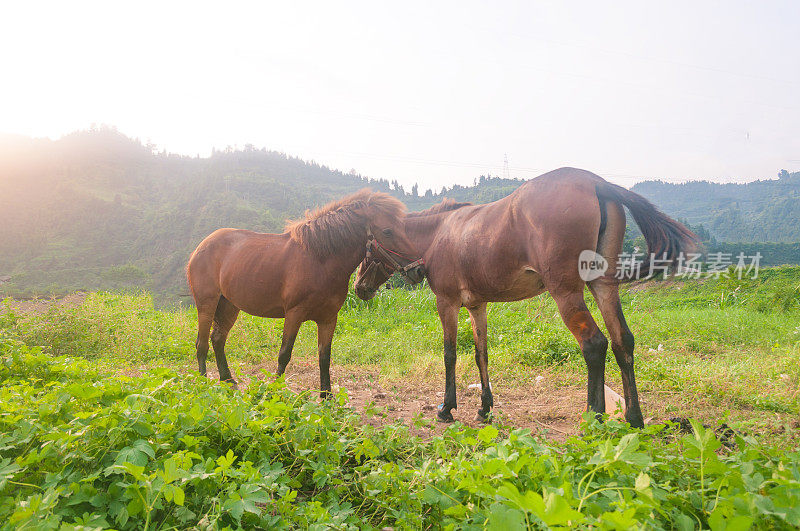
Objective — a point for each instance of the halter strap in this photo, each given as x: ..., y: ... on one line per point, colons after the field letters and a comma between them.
x: 373, y: 245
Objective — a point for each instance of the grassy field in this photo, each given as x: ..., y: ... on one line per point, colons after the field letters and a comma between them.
x: 98, y: 396
x: 714, y: 349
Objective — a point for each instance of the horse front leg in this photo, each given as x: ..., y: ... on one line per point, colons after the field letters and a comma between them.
x: 448, y: 314
x: 324, y: 341
x: 477, y: 316
x: 291, y: 325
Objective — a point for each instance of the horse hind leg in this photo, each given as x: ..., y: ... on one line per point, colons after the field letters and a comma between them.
x: 606, y: 293
x: 593, y: 344
x: 622, y: 344
x: 224, y: 318
x: 206, y: 298
x: 205, y: 316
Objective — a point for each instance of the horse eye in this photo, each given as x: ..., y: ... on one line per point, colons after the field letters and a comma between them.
x: 387, y: 232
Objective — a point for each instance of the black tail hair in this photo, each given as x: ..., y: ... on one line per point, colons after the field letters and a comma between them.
x: 666, y: 238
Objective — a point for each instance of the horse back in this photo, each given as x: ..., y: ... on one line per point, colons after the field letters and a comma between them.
x: 522, y: 244
x: 248, y: 268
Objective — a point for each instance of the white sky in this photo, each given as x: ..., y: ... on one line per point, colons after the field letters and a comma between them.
x: 428, y: 92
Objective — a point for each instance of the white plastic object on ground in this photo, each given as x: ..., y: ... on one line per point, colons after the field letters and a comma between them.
x: 615, y: 404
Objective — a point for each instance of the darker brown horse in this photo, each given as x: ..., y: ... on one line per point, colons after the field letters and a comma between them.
x: 527, y: 243
x: 300, y: 275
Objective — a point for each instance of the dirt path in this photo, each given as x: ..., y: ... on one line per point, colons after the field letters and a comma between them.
x: 544, y: 409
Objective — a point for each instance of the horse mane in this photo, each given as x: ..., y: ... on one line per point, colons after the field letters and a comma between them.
x: 445, y: 206
x: 341, y: 224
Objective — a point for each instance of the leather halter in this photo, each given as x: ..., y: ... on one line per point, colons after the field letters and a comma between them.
x: 374, y: 246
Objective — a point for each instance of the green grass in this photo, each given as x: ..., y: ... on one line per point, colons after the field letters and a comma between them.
x: 84, y: 444
x: 730, y: 347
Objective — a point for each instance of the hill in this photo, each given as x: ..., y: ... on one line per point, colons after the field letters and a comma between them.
x: 99, y: 210
x: 759, y: 211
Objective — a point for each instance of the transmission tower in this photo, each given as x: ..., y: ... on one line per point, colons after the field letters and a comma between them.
x: 506, y: 173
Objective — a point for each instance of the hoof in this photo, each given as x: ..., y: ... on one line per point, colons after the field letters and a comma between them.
x: 636, y: 422
x: 232, y: 383
x: 486, y: 418
x: 444, y: 416
x: 325, y: 395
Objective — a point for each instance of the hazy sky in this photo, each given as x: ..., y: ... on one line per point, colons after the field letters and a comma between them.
x: 428, y: 92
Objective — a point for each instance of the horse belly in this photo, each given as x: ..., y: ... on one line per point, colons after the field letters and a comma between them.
x: 257, y: 296
x: 258, y: 306
x: 523, y: 285
x: 261, y: 311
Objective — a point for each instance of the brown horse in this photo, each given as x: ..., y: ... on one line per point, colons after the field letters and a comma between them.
x: 527, y: 243
x: 300, y: 275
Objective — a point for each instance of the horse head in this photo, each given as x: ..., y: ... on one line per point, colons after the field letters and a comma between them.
x: 380, y: 262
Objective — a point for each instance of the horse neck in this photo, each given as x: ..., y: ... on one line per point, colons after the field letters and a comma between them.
x: 352, y: 255
x: 422, y: 230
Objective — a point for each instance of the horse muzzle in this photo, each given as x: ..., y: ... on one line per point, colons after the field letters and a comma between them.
x: 365, y: 294
x: 370, y: 280
x: 414, y: 272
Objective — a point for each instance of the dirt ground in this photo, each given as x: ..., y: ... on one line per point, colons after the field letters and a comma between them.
x: 543, y: 409
x: 547, y: 407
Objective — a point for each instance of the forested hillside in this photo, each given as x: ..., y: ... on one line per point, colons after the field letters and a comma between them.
x: 98, y: 210
x: 759, y: 211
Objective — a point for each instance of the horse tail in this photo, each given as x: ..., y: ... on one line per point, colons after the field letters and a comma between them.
x: 666, y: 238
x: 189, y: 277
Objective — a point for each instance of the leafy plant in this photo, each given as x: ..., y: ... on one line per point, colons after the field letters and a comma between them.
x: 80, y: 448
